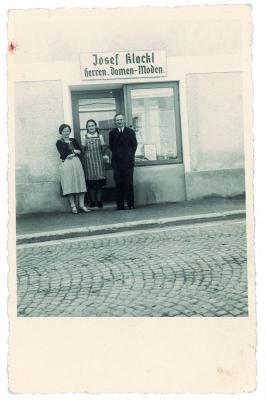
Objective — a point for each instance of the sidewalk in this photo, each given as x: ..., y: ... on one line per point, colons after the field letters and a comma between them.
x: 43, y: 227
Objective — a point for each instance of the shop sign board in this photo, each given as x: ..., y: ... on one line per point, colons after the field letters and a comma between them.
x: 123, y: 64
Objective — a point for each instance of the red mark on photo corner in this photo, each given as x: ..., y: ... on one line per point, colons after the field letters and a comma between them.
x: 12, y: 47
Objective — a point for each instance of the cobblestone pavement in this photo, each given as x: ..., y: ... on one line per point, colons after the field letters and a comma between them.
x: 197, y: 270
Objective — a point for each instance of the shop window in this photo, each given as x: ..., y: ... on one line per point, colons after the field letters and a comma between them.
x: 154, y: 112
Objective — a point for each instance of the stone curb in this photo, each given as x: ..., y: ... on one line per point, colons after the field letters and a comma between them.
x: 128, y: 226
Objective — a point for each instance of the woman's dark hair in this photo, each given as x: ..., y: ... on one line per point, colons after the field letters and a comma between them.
x: 92, y: 120
x: 62, y: 127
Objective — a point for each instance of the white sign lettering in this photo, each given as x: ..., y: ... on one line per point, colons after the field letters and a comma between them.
x: 132, y: 64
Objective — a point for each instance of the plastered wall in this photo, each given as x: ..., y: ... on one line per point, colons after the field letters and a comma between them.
x: 38, y: 114
x: 64, y: 35
x: 216, y: 134
x: 215, y: 120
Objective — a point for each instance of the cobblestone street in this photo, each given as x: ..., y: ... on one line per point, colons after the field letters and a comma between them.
x: 195, y: 270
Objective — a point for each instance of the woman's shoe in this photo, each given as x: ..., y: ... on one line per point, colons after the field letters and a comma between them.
x: 99, y: 204
x: 84, y: 209
x: 74, y: 209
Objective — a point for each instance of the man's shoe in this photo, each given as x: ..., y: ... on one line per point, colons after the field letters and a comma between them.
x: 92, y: 204
x: 99, y: 204
x: 120, y: 208
x: 131, y: 207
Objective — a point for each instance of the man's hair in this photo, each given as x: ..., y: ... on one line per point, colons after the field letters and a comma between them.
x: 116, y: 115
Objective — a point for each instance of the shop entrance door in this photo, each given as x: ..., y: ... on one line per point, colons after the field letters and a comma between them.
x: 100, y: 106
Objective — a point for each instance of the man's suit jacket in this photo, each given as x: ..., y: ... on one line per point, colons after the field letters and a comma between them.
x: 123, y: 146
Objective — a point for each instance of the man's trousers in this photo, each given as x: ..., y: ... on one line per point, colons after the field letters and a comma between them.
x: 124, y: 186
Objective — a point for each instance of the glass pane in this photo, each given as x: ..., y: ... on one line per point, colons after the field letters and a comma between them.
x: 92, y: 105
x: 102, y: 110
x: 154, y: 123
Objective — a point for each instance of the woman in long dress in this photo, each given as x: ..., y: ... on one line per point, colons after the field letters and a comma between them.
x: 93, y: 162
x: 71, y: 172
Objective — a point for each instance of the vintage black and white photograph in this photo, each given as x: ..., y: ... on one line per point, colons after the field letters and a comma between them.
x: 131, y: 200
x: 130, y: 163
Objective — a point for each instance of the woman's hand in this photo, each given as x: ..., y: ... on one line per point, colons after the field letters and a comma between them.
x: 77, y: 151
x: 70, y: 156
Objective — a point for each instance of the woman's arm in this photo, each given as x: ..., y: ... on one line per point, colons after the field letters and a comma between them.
x: 77, y: 148
x: 103, y: 145
x: 63, y: 150
x: 101, y: 139
x: 104, y: 148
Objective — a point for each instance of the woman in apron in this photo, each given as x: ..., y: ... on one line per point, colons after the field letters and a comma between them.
x: 93, y: 162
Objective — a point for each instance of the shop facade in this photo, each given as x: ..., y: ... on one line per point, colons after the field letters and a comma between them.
x: 184, y: 98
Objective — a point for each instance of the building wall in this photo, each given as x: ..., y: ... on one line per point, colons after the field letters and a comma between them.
x: 216, y: 134
x: 215, y: 109
x: 159, y: 184
x: 62, y: 35
x: 212, y: 93
x: 156, y: 183
x: 38, y: 113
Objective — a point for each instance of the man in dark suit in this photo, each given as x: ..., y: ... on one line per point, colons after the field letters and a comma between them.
x: 123, y: 144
